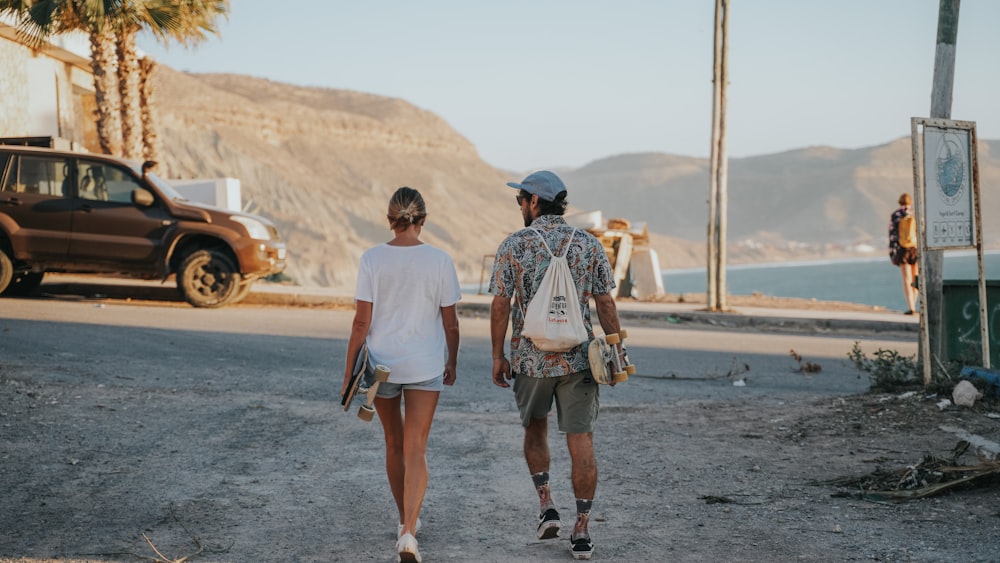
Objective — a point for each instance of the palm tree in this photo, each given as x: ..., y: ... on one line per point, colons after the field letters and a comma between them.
x: 151, y: 146
x: 104, y: 65
x: 186, y: 22
x: 129, y: 91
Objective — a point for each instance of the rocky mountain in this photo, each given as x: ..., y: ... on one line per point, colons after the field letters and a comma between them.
x: 322, y: 164
x: 819, y: 199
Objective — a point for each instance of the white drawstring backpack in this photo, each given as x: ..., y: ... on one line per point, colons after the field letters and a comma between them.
x: 553, y: 321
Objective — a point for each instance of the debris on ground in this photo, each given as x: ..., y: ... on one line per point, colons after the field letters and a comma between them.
x: 804, y: 366
x: 932, y: 476
x: 720, y: 499
x: 965, y: 394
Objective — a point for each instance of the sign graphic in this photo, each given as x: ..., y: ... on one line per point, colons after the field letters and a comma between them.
x: 947, y: 170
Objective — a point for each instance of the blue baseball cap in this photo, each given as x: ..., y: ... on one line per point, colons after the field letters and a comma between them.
x: 543, y: 183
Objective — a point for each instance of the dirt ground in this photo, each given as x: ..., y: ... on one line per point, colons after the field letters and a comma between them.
x: 99, y: 464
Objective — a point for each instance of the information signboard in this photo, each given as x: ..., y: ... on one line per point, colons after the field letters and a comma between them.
x: 948, y: 203
x: 949, y: 216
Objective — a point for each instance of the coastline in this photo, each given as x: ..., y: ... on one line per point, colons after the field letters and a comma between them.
x: 819, y: 262
x: 872, y: 282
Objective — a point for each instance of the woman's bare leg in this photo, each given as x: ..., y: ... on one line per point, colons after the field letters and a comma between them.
x: 419, y: 413
x: 391, y: 416
x: 908, y: 291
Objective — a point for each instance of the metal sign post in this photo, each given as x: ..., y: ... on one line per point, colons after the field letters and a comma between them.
x: 946, y: 186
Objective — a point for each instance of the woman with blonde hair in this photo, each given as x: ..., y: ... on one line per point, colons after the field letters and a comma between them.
x: 405, y: 312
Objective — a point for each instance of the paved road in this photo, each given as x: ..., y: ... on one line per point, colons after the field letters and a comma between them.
x: 694, y: 359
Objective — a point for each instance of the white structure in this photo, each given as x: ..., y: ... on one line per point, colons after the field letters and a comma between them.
x: 647, y: 276
x: 635, y: 263
x: 589, y: 220
x: 218, y: 192
x: 47, y: 93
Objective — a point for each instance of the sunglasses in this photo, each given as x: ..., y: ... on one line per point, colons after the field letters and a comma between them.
x: 520, y: 198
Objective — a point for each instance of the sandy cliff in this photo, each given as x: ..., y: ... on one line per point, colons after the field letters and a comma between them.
x: 322, y: 164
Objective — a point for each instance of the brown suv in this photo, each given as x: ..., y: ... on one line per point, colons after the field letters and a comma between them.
x: 66, y: 211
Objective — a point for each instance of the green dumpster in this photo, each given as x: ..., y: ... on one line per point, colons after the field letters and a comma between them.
x: 962, y: 335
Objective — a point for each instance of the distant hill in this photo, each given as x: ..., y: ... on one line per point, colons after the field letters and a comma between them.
x: 821, y: 196
x: 322, y: 164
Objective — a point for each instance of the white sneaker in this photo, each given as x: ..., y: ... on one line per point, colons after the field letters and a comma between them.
x: 399, y: 529
x: 407, y: 548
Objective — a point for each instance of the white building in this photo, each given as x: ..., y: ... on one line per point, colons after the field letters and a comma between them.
x: 47, y: 93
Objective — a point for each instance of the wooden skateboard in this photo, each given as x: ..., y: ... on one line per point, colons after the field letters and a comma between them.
x: 608, y: 360
x: 364, y: 383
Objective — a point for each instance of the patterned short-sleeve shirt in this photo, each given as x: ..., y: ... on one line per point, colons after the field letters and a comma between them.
x: 520, y: 264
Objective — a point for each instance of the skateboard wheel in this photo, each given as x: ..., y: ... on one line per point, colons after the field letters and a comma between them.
x: 381, y: 373
x: 622, y: 333
x: 621, y: 376
x: 612, y: 339
x: 366, y: 413
x: 630, y: 369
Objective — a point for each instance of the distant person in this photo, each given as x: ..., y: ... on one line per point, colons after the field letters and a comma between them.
x: 405, y: 311
x: 543, y: 377
x: 903, y: 249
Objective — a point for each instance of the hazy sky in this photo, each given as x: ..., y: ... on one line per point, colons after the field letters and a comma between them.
x: 546, y: 83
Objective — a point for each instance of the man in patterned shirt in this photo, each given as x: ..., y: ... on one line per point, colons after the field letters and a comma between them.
x: 540, y: 377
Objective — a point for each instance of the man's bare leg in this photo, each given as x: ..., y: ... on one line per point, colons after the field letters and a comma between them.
x: 581, y: 453
x: 536, y: 453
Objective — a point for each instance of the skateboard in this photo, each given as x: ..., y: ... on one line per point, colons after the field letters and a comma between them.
x: 608, y: 360
x: 364, y: 383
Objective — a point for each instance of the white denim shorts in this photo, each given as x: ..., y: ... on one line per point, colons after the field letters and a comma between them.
x: 390, y: 390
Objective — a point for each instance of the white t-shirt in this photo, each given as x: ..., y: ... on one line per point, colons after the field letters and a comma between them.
x: 407, y: 286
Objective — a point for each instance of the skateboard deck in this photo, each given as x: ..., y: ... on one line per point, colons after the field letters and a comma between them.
x: 608, y: 361
x: 364, y: 382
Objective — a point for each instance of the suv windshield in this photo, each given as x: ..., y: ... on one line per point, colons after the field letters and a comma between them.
x: 162, y: 185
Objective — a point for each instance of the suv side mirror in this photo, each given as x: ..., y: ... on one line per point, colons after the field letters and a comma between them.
x: 142, y: 197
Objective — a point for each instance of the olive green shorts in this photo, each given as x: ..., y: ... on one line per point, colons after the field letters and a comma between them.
x: 575, y: 395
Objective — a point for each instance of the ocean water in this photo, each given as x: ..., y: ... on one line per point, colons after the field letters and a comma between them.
x: 870, y: 281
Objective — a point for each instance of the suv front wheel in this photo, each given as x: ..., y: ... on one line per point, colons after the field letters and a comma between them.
x: 16, y: 283
x: 208, y: 278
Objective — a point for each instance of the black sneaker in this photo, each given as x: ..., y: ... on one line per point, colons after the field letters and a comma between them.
x: 581, y: 548
x: 548, y: 524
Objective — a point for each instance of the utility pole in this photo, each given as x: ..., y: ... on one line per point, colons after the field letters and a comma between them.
x: 932, y: 263
x: 718, y: 175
